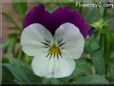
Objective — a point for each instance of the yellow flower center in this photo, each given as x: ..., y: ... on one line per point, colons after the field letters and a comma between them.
x: 54, y: 50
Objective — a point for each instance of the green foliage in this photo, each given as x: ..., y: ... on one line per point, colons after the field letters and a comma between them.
x: 90, y: 14
x: 20, y: 9
x: 98, y: 61
x: 91, y: 45
x: 10, y: 20
x: 92, y: 79
x: 22, y: 74
x: 11, y: 42
x: 7, y: 76
x: 83, y: 67
x: 96, y: 55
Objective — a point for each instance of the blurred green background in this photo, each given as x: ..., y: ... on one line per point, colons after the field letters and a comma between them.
x: 96, y: 65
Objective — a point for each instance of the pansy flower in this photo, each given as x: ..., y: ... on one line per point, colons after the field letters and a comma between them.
x: 54, y: 40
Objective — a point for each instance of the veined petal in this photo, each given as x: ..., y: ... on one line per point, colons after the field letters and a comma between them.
x: 73, y: 39
x: 42, y: 66
x: 53, y: 67
x: 63, y: 67
x: 32, y: 38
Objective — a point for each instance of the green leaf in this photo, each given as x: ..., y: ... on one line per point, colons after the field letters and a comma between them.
x: 27, y: 59
x: 21, y: 72
x: 52, y: 81
x: 71, y: 5
x: 10, y: 20
x: 20, y: 8
x: 108, y: 49
x: 11, y: 41
x: 14, y: 28
x: 8, y: 17
x: 7, y: 77
x: 90, y: 14
x: 92, y: 79
x: 5, y: 60
x: 110, y: 72
x: 110, y: 22
x: 55, y: 81
x: 101, y: 11
x: 91, y: 45
x: 99, y: 25
x: 98, y: 61
x: 83, y: 67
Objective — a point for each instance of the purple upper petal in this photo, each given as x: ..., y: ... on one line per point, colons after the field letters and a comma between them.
x: 37, y: 14
x: 54, y: 20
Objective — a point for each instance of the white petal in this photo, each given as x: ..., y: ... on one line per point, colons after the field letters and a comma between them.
x: 57, y: 68
x: 43, y: 66
x: 63, y: 67
x: 74, y: 41
x: 31, y: 39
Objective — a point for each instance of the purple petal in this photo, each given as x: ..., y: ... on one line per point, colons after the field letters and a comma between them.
x: 36, y: 15
x: 54, y: 20
x: 63, y: 15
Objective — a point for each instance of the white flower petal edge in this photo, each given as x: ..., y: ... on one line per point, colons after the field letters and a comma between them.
x: 31, y: 39
x: 73, y: 39
x: 53, y: 67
